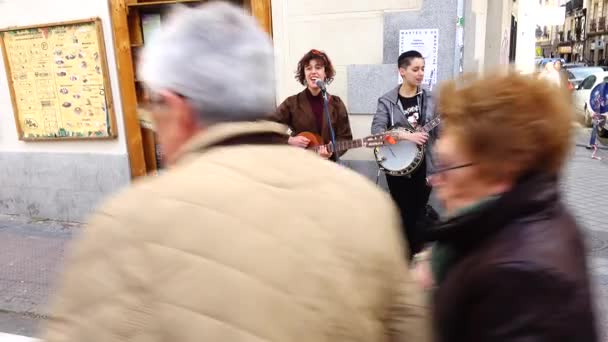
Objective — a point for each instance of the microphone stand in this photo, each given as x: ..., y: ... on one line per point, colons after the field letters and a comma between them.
x: 331, y: 129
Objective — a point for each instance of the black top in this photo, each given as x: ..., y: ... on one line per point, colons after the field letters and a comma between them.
x: 316, y: 104
x: 411, y: 110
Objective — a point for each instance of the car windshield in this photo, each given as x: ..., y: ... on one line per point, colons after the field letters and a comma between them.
x: 580, y: 73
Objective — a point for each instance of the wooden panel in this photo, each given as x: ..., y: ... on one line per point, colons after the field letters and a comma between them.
x: 161, y: 3
x: 135, y: 33
x: 122, y: 46
x: 149, y: 141
x: 262, y: 10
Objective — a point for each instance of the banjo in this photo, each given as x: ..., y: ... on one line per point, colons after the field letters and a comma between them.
x: 404, y: 157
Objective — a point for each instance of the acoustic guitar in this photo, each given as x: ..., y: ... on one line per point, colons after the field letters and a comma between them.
x: 375, y: 140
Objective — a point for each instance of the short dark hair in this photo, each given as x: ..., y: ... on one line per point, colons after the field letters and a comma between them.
x: 320, y: 56
x: 405, y: 59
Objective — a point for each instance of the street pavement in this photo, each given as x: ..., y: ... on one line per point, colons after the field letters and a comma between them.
x: 32, y: 251
x: 586, y: 192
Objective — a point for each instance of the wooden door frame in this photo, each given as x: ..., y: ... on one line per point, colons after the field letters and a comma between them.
x: 260, y: 9
x: 126, y: 80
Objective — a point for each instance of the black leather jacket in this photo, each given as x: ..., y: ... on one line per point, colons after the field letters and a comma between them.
x: 520, y: 273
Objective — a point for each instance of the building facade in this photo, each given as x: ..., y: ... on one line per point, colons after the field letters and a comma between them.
x: 572, y: 34
x: 65, y: 180
x: 581, y: 37
x: 595, y: 52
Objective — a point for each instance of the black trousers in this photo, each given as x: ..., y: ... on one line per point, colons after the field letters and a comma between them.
x: 411, y: 194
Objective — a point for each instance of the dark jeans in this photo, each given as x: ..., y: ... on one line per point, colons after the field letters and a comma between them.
x: 411, y: 194
x: 593, y: 133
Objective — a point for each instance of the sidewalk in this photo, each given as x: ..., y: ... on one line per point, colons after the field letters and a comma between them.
x: 31, y: 254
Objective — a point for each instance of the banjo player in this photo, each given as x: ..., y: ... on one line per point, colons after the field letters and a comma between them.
x: 409, y: 106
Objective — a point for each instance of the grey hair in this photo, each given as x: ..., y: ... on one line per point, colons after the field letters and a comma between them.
x: 217, y: 57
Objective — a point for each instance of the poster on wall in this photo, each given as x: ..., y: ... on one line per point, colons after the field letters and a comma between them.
x: 58, y: 80
x: 425, y: 41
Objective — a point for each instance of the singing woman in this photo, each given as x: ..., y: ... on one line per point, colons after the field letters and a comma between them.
x: 408, y: 105
x: 304, y: 112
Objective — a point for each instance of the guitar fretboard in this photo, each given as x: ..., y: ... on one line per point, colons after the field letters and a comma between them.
x: 430, y: 125
x: 341, y: 145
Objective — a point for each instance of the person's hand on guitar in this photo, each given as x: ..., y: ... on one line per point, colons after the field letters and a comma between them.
x: 419, y: 138
x: 298, y: 141
x: 323, y: 152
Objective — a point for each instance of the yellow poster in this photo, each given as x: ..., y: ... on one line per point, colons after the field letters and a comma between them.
x: 58, y: 81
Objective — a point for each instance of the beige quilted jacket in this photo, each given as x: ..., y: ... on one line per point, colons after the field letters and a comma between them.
x: 241, y: 242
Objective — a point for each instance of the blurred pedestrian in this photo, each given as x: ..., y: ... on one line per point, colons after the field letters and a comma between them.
x: 554, y: 74
x: 509, y: 262
x: 242, y: 238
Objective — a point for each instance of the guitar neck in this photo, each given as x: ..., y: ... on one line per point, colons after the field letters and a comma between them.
x: 430, y: 125
x: 341, y: 145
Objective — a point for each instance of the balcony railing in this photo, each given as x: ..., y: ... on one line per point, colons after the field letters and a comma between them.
x: 593, y: 26
x: 601, y: 26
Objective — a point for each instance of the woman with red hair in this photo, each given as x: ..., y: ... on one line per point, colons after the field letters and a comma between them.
x: 304, y: 111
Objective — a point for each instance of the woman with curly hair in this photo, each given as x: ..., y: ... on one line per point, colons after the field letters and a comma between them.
x: 304, y: 111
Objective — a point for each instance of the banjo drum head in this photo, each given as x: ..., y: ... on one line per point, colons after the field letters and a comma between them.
x: 398, y: 156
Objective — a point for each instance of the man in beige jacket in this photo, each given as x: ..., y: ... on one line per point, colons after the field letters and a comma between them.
x: 243, y: 238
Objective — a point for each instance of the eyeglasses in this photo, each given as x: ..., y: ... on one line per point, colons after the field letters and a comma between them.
x: 154, y: 100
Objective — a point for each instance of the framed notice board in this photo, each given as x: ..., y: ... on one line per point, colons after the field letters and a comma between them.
x: 58, y: 79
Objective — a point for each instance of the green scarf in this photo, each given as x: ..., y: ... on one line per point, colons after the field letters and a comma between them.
x: 443, y: 254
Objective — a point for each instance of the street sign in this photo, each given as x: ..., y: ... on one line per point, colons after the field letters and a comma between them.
x: 598, y: 99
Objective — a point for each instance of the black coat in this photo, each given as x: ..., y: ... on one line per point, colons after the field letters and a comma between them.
x: 519, y: 271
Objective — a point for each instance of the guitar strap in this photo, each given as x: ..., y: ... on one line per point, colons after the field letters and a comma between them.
x: 392, y: 118
x: 421, y: 107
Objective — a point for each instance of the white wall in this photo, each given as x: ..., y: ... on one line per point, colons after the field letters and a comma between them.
x: 349, y: 31
x: 32, y: 12
x: 475, y: 21
x: 526, y: 38
x: 498, y: 34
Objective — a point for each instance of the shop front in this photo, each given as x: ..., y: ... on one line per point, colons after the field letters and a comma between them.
x: 565, y: 52
x: 133, y: 23
x: 70, y: 129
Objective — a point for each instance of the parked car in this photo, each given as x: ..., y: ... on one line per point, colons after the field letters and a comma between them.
x: 574, y: 65
x: 583, y: 92
x: 577, y: 75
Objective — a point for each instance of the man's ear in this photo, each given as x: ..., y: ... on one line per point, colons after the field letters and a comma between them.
x: 180, y: 108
